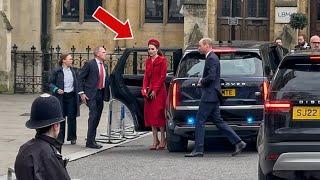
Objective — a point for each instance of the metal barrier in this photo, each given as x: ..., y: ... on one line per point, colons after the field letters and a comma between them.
x: 127, y: 132
x: 111, y: 136
x: 11, y: 174
x: 122, y: 132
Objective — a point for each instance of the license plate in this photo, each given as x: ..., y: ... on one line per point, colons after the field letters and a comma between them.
x: 305, y: 113
x: 228, y: 92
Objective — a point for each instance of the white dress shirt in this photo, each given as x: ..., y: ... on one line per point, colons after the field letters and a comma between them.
x: 67, y: 80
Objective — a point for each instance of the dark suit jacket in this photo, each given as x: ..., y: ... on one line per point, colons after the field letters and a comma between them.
x: 56, y: 81
x: 89, y: 79
x: 210, y: 82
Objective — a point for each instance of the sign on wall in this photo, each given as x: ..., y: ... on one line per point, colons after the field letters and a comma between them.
x: 233, y: 21
x: 283, y: 14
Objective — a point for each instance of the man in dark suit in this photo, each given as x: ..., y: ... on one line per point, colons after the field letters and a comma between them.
x: 93, y: 90
x: 209, y: 107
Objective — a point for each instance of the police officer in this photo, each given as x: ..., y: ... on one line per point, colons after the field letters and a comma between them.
x: 40, y: 157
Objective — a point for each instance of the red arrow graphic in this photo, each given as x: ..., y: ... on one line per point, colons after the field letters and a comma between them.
x: 123, y: 30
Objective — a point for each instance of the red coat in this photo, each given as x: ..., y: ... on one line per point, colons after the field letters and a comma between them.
x: 154, y: 79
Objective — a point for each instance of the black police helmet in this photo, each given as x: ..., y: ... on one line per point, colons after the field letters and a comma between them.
x: 45, y: 111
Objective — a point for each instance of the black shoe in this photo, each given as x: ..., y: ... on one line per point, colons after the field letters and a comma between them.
x: 94, y: 145
x: 239, y: 147
x: 194, y: 154
x: 73, y: 142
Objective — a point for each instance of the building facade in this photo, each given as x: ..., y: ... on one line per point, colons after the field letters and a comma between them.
x: 176, y: 23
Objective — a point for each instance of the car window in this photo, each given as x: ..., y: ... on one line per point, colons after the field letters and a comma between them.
x: 135, y: 63
x: 192, y: 67
x: 231, y: 64
x: 241, y: 67
x: 300, y: 77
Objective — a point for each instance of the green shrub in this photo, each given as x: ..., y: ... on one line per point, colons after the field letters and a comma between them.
x: 298, y: 20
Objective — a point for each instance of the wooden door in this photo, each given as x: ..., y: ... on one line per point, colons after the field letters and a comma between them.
x: 253, y: 20
x: 314, y: 17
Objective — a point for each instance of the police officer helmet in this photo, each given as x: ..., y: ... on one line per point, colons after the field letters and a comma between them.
x: 45, y: 111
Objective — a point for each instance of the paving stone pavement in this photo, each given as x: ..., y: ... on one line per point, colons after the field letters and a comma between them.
x: 14, y: 112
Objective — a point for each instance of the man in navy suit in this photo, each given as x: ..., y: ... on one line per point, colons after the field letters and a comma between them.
x: 93, y: 90
x: 209, y: 107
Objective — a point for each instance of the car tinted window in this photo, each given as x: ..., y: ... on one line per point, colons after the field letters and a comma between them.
x: 232, y: 64
x: 302, y: 77
x: 135, y: 63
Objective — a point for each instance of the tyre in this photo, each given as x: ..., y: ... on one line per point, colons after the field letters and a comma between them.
x: 269, y: 176
x: 176, y: 143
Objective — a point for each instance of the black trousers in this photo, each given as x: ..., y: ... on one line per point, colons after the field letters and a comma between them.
x: 95, y: 110
x: 211, y: 111
x: 69, y: 107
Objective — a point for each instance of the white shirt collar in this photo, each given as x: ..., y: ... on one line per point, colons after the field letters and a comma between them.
x: 98, y: 61
x: 208, y: 53
x: 65, y: 68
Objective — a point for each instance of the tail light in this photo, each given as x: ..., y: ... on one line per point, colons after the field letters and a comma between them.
x: 265, y: 89
x: 272, y: 156
x: 315, y: 58
x: 175, y: 95
x: 274, y: 106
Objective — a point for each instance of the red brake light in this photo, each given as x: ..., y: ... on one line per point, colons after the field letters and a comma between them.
x: 272, y: 156
x: 277, y: 106
x: 224, y: 50
x: 315, y: 58
x: 175, y: 94
x: 265, y: 90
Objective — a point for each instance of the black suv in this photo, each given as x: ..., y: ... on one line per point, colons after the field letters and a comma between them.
x: 289, y: 137
x: 243, y: 82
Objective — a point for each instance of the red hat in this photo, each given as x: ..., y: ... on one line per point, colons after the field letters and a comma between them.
x: 154, y: 42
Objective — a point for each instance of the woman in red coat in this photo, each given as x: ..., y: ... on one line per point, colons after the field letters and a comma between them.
x: 155, y: 94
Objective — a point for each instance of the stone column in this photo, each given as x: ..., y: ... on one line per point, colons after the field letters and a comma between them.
x: 212, y: 14
x: 6, y: 78
x: 195, y: 21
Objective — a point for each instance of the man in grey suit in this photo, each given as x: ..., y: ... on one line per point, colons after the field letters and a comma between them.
x: 93, y: 90
x: 209, y: 107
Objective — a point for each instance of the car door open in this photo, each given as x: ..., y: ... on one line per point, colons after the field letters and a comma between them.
x: 126, y: 79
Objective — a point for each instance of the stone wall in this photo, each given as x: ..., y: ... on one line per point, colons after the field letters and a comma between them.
x: 93, y: 33
x: 5, y: 39
x: 283, y: 30
x: 26, y: 22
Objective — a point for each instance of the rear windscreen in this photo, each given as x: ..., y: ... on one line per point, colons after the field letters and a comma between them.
x: 244, y: 64
x: 299, y: 77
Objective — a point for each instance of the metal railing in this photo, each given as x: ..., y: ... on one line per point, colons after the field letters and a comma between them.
x: 32, y: 68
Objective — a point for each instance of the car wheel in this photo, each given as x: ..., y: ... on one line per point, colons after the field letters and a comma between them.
x: 269, y: 176
x: 176, y: 143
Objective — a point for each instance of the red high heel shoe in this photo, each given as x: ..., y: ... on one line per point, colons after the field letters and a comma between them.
x: 154, y: 146
x: 163, y: 146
